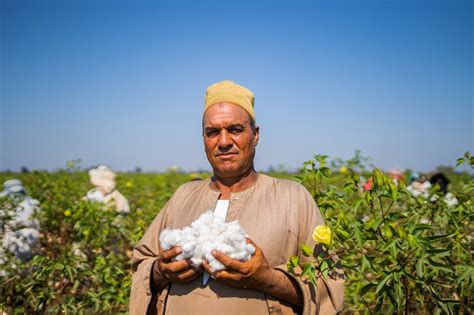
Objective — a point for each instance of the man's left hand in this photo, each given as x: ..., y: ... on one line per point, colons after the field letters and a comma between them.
x: 253, y: 273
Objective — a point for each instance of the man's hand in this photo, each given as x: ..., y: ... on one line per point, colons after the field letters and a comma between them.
x: 165, y: 270
x: 256, y: 273
x: 253, y: 273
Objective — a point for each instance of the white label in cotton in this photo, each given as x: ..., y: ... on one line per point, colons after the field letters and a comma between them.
x: 206, y: 233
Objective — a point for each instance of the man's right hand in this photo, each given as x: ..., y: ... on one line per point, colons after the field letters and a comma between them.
x: 165, y: 270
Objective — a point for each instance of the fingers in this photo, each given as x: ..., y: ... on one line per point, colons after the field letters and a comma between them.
x: 206, y: 267
x: 175, y: 266
x: 221, y: 274
x: 168, y: 255
x: 188, y: 275
x: 229, y: 263
x: 226, y: 275
x: 249, y: 241
x: 179, y: 271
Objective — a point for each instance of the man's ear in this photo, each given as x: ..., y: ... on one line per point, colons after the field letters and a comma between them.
x: 256, y: 134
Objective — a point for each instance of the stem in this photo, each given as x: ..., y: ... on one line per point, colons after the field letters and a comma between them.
x: 366, y: 305
x: 314, y: 181
x: 381, y: 207
x: 407, y: 296
x: 390, y: 206
x: 371, y: 206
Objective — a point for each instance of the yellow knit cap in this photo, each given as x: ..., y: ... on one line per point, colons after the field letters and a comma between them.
x: 229, y: 92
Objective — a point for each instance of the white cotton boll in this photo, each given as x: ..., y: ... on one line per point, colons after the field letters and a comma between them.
x: 21, y: 242
x: 239, y: 255
x: 29, y: 234
x: 250, y: 249
x: 234, y: 227
x: 95, y: 195
x: 415, y: 192
x: 163, y: 239
x: 206, y: 233
x: 188, y: 243
x: 210, y: 258
x: 450, y: 200
x: 188, y: 248
x: 169, y: 238
x: 224, y: 248
x: 196, y: 262
x: 424, y: 221
x: 179, y: 257
x: 24, y: 214
x: 215, y: 265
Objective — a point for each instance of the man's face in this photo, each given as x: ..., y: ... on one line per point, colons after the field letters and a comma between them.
x: 229, y: 140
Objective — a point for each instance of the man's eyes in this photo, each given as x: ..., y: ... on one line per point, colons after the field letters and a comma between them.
x: 212, y: 133
x: 232, y: 130
x: 236, y: 130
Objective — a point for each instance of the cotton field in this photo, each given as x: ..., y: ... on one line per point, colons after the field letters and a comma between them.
x: 405, y: 239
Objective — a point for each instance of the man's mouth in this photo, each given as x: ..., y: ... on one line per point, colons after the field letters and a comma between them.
x: 224, y: 154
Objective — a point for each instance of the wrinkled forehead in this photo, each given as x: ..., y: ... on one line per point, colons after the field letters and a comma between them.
x: 225, y: 113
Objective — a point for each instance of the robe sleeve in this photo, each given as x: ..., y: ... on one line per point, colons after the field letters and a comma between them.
x: 144, y: 255
x: 328, y: 298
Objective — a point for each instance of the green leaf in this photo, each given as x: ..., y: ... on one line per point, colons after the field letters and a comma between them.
x: 381, y: 284
x: 439, y: 266
x: 439, y: 252
x: 421, y: 227
x: 324, y: 269
x: 306, y: 250
x: 294, y: 261
x: 307, y: 269
x: 379, y: 304
x: 357, y: 204
x: 419, y: 268
x: 366, y: 288
x: 439, y: 237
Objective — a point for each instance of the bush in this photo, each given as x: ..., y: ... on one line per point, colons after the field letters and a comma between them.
x: 400, y: 254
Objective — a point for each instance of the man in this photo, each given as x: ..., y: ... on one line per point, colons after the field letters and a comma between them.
x: 104, y: 179
x: 277, y: 215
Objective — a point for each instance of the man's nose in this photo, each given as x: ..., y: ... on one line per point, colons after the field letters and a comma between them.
x: 225, y: 141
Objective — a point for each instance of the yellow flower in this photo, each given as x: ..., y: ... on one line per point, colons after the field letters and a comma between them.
x: 67, y: 213
x: 129, y: 184
x: 343, y: 170
x: 322, y: 234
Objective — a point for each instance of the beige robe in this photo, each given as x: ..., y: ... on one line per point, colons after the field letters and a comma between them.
x: 278, y: 215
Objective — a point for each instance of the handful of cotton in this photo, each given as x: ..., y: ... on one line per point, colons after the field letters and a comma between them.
x: 206, y: 233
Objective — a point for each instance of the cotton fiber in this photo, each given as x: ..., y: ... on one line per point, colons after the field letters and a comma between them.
x: 20, y: 227
x: 206, y: 233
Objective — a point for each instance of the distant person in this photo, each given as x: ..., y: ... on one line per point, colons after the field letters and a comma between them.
x: 19, y: 227
x: 104, y: 179
x: 441, y: 180
x: 420, y: 187
x: 413, y: 177
x: 396, y: 175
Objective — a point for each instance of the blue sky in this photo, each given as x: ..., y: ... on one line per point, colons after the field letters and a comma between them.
x: 122, y: 83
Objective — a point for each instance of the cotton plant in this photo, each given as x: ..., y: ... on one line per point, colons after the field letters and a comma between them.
x: 419, y: 189
x: 423, y: 190
x: 207, y: 233
x: 450, y: 200
x: 321, y: 262
x: 20, y: 228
